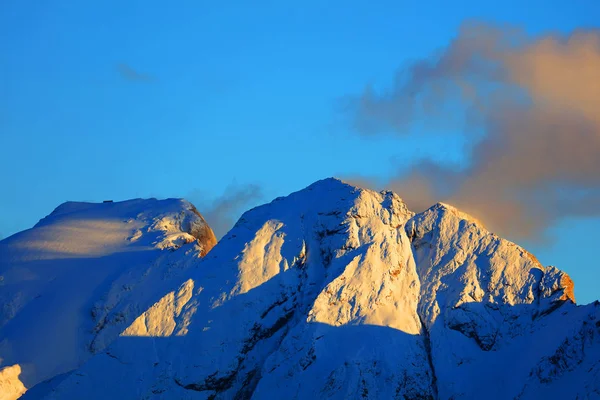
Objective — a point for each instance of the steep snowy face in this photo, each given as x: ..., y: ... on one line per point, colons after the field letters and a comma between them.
x: 480, y: 294
x: 71, y: 284
x: 317, y: 287
x: 460, y: 262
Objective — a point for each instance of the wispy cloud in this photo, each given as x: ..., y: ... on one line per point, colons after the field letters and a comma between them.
x: 530, y: 107
x: 130, y: 74
x: 223, y: 211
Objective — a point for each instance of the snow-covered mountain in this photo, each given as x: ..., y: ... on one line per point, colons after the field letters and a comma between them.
x: 70, y: 285
x: 340, y: 292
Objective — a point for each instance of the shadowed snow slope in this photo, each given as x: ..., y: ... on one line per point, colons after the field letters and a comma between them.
x: 70, y: 285
x: 340, y: 292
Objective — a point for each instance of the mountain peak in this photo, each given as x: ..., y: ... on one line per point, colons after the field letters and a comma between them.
x: 443, y: 209
x: 174, y: 221
x: 331, y: 185
x: 72, y: 284
x: 346, y: 289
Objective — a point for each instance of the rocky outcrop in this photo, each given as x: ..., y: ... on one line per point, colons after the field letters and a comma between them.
x: 199, y: 228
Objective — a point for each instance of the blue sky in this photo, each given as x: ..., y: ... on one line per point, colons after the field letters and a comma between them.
x: 116, y: 100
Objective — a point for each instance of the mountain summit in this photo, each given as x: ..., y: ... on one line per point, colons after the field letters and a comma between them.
x: 75, y: 281
x: 340, y: 292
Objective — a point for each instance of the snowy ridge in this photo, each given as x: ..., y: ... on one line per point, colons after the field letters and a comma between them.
x: 339, y: 292
x: 74, y: 282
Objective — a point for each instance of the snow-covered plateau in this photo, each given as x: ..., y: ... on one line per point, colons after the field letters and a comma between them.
x: 332, y: 292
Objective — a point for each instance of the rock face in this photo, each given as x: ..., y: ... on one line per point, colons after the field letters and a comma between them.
x: 70, y: 285
x: 339, y: 292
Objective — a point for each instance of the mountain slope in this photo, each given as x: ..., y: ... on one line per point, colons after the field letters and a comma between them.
x: 70, y: 285
x: 487, y: 302
x: 340, y: 292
